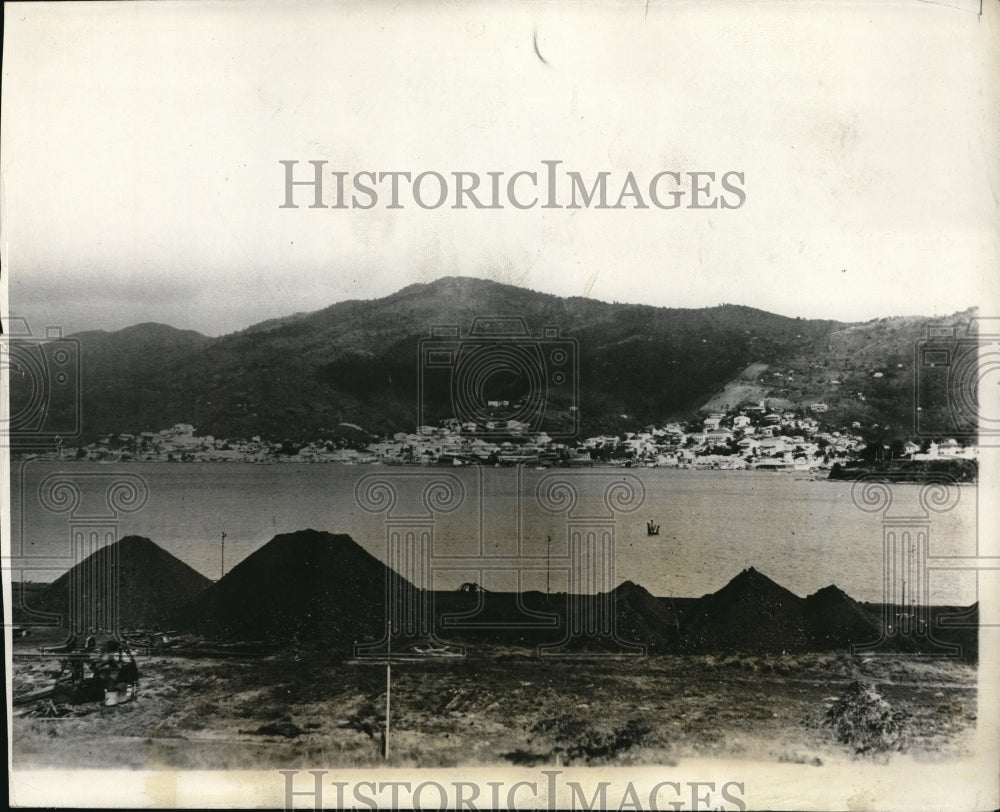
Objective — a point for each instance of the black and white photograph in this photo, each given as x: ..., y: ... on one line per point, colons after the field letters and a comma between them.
x: 463, y: 405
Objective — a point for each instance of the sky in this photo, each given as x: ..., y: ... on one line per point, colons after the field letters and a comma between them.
x: 140, y: 147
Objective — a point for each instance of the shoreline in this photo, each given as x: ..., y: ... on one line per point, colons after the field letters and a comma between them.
x: 811, y: 474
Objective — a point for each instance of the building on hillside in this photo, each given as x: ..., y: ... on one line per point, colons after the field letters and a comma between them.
x: 773, y: 446
x: 717, y: 437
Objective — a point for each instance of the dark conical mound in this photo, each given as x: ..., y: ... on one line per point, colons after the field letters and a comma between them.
x: 751, y: 614
x: 309, y: 583
x: 640, y: 617
x: 831, y: 595
x: 151, y: 584
x: 838, y: 621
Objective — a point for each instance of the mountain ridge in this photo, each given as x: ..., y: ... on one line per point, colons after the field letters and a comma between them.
x: 357, y: 361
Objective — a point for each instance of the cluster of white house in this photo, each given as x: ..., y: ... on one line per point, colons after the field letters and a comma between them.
x: 949, y: 448
x: 752, y: 437
x: 179, y: 442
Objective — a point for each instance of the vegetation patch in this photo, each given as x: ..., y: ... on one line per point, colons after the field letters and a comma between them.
x: 864, y: 720
x: 576, y: 742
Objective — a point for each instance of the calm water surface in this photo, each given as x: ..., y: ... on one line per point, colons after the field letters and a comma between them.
x: 803, y: 533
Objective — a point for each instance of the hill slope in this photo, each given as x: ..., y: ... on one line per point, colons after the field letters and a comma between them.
x: 357, y: 361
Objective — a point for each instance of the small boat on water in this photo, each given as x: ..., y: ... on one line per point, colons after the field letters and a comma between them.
x: 652, y: 529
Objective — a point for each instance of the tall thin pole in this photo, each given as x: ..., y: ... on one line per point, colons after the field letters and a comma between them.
x: 388, y: 682
x: 548, y: 566
x: 222, y: 566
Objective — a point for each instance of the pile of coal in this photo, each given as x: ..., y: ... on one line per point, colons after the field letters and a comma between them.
x: 146, y: 584
x: 308, y: 585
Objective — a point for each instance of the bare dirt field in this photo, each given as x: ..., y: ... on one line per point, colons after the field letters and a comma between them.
x: 745, y: 387
x: 503, y: 705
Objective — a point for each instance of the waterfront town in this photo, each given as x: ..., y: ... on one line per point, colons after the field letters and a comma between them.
x: 752, y: 437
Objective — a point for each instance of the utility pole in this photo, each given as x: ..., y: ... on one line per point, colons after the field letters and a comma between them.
x: 222, y: 571
x: 548, y: 566
x: 388, y: 682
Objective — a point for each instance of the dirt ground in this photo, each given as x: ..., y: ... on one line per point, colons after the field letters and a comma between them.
x: 496, y: 706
